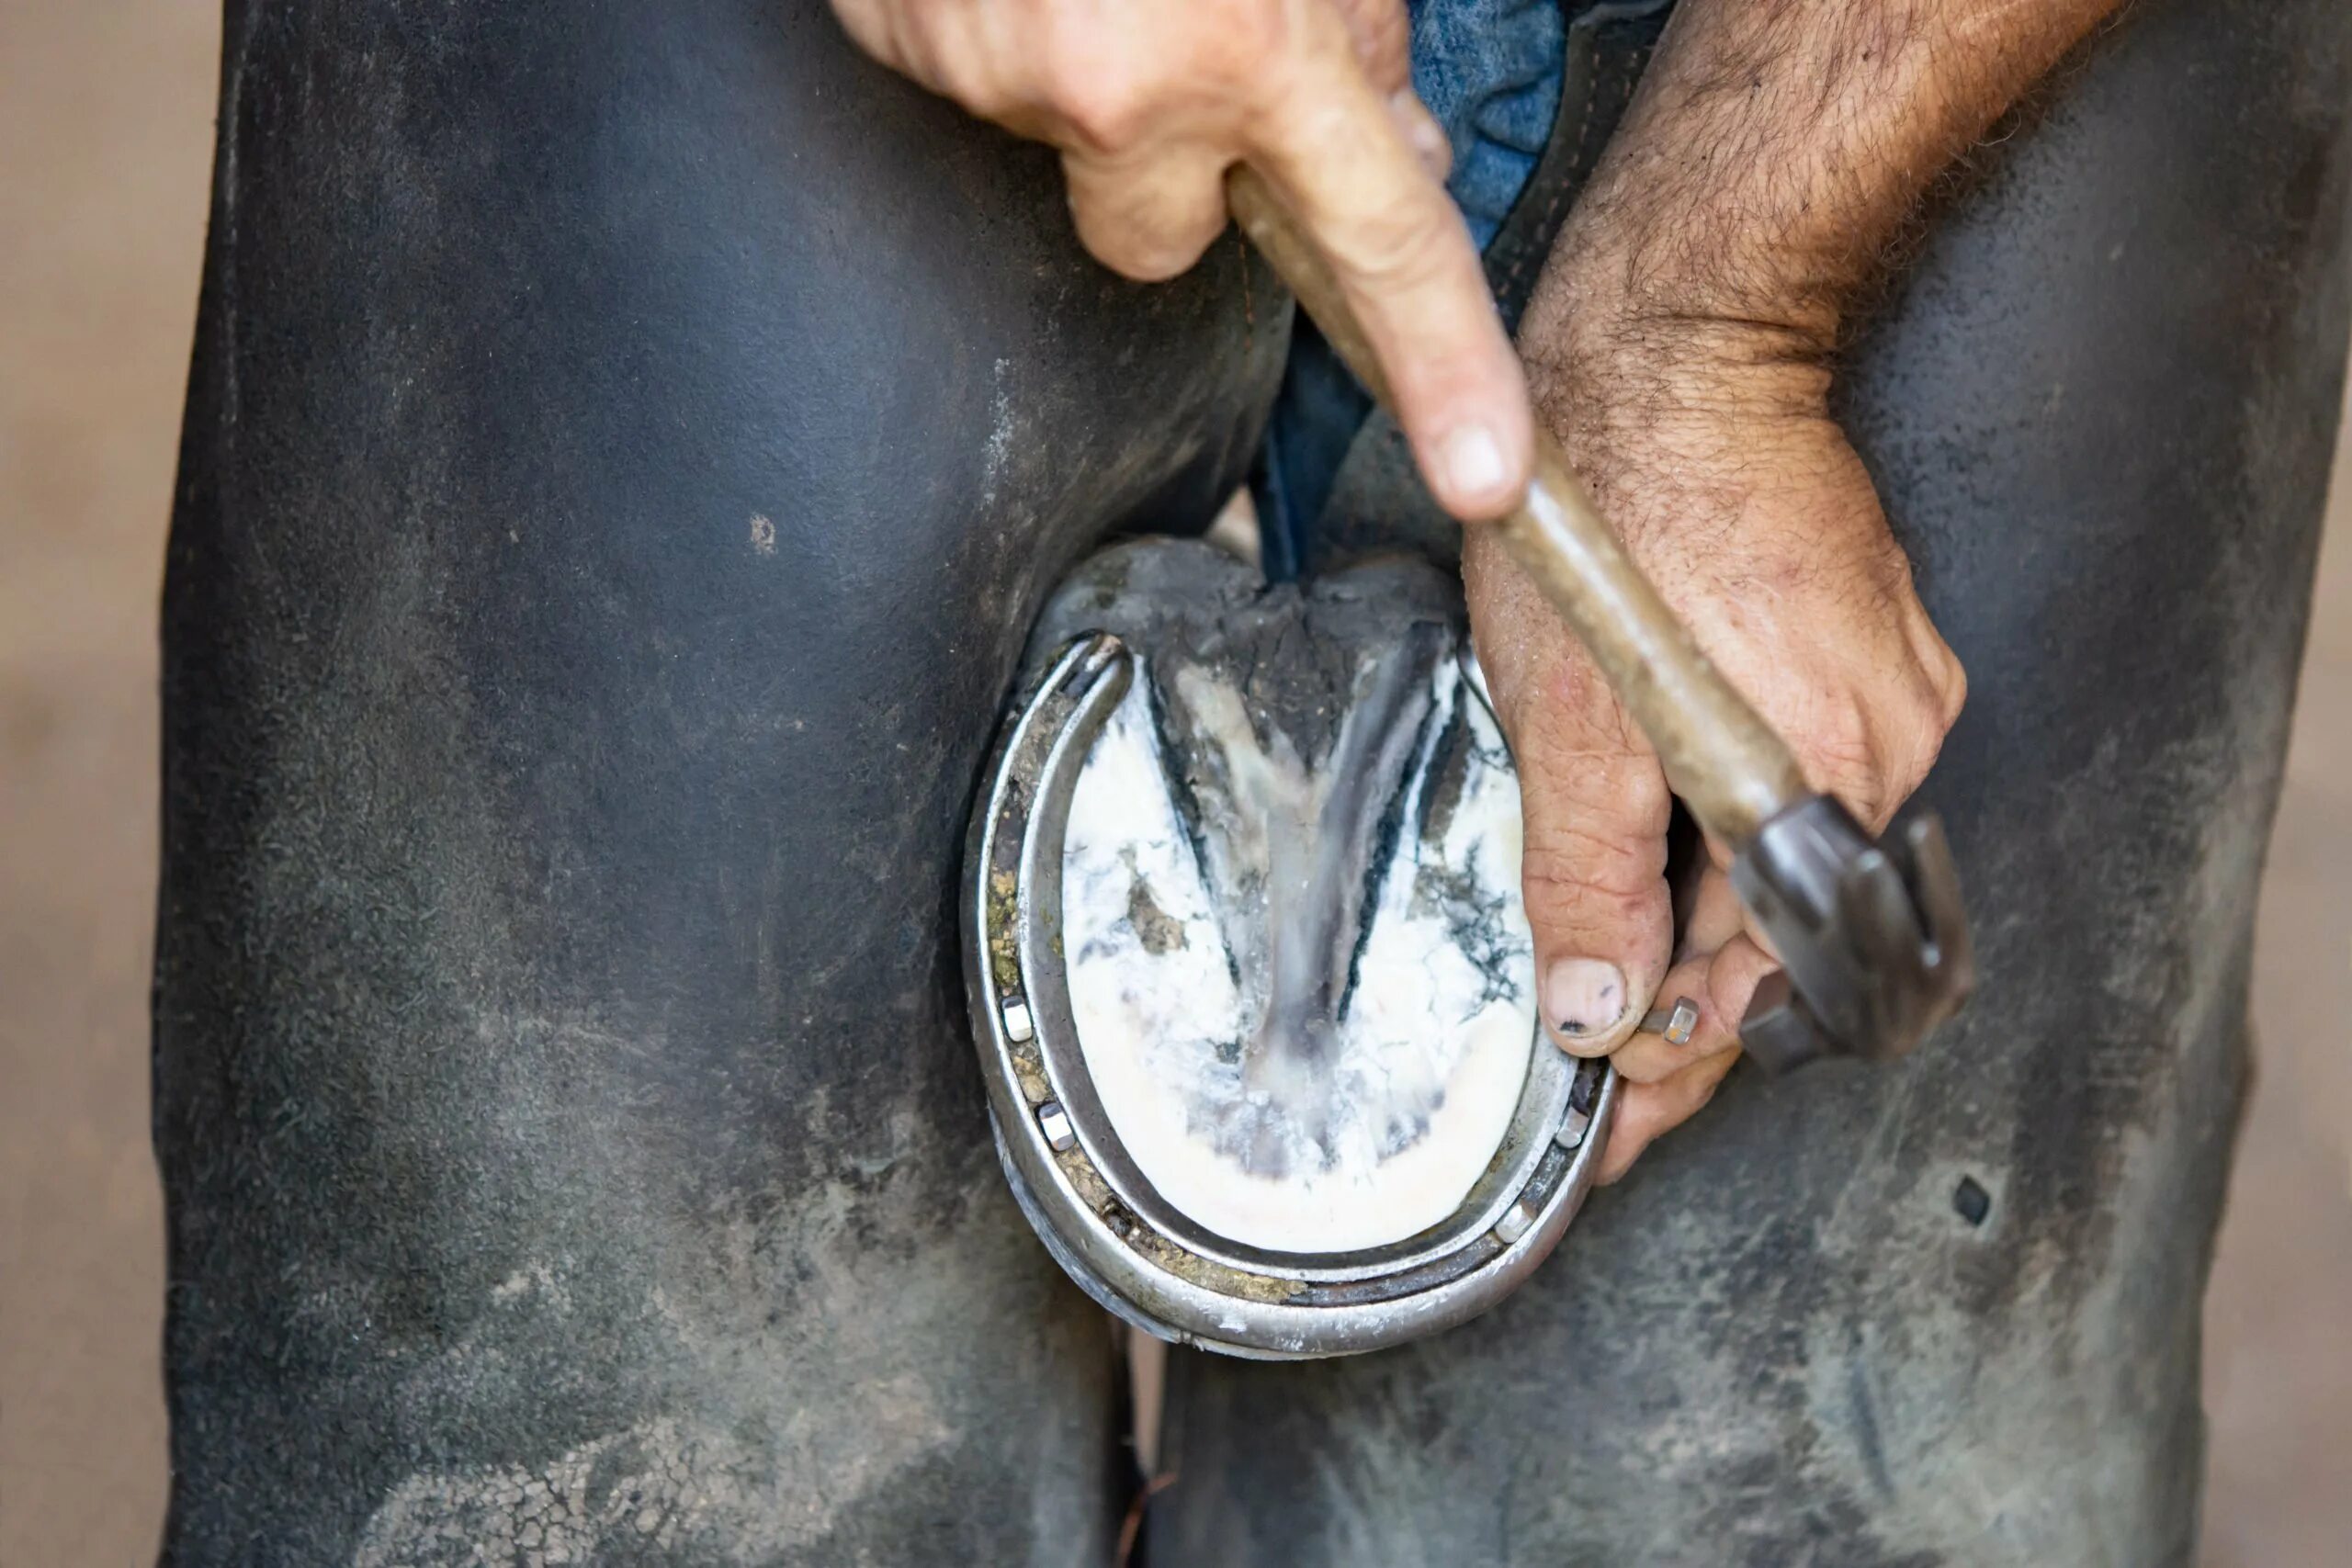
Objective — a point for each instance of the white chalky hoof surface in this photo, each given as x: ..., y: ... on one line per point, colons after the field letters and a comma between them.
x: 1294, y: 946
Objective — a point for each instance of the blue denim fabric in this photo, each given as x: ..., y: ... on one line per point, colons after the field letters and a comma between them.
x: 1490, y: 71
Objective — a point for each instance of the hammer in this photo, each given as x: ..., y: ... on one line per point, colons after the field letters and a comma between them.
x: 1872, y: 935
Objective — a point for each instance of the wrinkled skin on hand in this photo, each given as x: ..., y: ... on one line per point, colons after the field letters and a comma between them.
x: 1677, y: 346
x: 1710, y: 447
x: 1150, y: 104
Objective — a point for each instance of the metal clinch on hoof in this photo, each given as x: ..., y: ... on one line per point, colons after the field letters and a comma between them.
x: 1248, y: 976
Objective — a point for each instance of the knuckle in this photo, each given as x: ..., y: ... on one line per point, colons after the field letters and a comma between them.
x: 1108, y: 107
x: 1950, y: 683
x: 1244, y: 41
x: 1112, y: 84
x: 967, y: 77
x: 1596, y: 758
x: 1731, y: 985
x: 1872, y: 750
x: 1384, y: 35
x: 1847, y: 765
x: 1103, y: 85
x: 1603, y: 880
x: 1915, y: 755
x: 984, y: 94
x: 1918, y: 734
x: 1839, y: 742
x: 1394, y: 248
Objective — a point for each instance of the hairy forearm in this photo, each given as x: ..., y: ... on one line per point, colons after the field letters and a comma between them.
x: 1778, y: 147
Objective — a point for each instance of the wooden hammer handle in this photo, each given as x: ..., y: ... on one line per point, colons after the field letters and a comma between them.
x: 1728, y: 765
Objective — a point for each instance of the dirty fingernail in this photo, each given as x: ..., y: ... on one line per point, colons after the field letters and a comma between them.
x: 1473, y: 463
x: 1583, y: 997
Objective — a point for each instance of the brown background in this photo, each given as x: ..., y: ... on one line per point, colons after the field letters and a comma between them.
x: 106, y: 130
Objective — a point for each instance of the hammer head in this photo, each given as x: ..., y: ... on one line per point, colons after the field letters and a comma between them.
x: 1872, y: 938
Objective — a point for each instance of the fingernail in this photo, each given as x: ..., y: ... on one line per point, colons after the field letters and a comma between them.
x: 1473, y: 463
x: 1583, y: 997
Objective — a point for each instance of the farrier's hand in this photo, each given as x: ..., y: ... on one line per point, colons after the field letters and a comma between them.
x: 1151, y: 101
x: 1709, y: 446
x: 1677, y: 344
